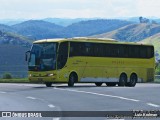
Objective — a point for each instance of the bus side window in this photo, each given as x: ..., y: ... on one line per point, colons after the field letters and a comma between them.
x: 88, y: 49
x: 143, y: 52
x: 150, y: 52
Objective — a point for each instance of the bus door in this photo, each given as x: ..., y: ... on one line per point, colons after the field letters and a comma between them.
x: 77, y: 59
x: 62, y: 58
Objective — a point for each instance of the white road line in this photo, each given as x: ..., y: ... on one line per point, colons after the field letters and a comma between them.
x: 56, y: 118
x: 115, y: 119
x: 2, y: 92
x: 51, y: 106
x: 153, y: 105
x: 112, y: 96
x: 29, y: 97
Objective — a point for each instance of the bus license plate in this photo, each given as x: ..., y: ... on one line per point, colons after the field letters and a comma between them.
x: 40, y: 79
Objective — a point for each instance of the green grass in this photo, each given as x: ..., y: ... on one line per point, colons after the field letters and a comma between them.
x: 15, y: 80
x: 155, y: 40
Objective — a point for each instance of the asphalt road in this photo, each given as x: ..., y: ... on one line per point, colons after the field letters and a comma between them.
x: 82, y: 97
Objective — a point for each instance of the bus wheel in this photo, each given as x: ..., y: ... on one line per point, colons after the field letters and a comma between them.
x: 122, y: 80
x: 48, y: 84
x: 111, y: 84
x: 98, y: 83
x: 133, y: 80
x: 72, y: 79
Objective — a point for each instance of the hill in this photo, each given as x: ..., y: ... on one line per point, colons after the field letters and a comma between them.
x: 14, y: 39
x: 92, y: 27
x: 155, y: 40
x: 6, y: 28
x: 133, y: 32
x: 37, y: 29
x: 65, y: 21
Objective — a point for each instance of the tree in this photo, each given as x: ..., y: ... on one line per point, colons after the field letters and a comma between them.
x: 7, y: 76
x: 143, y: 20
x: 140, y: 19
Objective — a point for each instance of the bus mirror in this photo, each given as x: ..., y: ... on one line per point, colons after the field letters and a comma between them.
x: 26, y: 55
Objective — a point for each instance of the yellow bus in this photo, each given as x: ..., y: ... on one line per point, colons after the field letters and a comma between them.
x: 90, y: 60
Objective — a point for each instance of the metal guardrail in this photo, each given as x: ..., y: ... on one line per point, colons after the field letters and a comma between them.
x: 157, y: 76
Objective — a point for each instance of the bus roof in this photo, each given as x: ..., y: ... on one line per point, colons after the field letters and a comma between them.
x: 87, y: 39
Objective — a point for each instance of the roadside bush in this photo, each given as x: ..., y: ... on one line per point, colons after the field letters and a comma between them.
x: 7, y: 76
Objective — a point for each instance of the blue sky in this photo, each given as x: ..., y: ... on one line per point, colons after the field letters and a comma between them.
x: 33, y: 9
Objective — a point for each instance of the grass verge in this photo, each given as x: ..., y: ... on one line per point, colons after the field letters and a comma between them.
x: 15, y: 80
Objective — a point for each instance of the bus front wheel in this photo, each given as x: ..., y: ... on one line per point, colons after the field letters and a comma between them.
x: 72, y: 79
x: 98, y: 83
x: 48, y: 84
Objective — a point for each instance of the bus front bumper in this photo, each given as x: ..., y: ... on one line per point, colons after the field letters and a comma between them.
x: 41, y: 79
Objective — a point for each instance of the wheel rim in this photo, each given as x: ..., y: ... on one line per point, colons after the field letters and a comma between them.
x: 133, y: 80
x: 122, y: 81
x: 71, y: 80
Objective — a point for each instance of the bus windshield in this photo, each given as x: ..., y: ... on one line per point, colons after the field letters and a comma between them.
x: 43, y: 57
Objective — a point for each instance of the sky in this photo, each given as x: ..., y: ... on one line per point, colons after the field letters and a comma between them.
x: 37, y: 9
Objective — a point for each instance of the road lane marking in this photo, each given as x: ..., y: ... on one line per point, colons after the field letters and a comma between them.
x: 153, y: 105
x: 29, y: 97
x: 51, y: 106
x: 93, y: 93
x: 56, y: 118
x: 115, y: 119
x: 2, y: 92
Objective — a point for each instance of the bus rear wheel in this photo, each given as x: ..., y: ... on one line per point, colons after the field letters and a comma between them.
x: 72, y: 79
x: 133, y: 80
x: 122, y: 80
x: 48, y: 84
x: 98, y: 83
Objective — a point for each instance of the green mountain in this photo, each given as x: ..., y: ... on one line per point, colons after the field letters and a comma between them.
x: 6, y: 28
x: 65, y: 21
x: 37, y: 29
x: 92, y: 27
x: 132, y: 33
x: 14, y: 39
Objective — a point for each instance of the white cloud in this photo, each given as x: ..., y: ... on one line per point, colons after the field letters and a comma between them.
x: 148, y: 7
x: 78, y: 8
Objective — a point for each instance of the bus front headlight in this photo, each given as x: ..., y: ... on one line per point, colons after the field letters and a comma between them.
x: 50, y: 74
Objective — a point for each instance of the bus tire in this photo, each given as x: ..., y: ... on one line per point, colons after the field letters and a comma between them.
x: 72, y: 79
x: 48, y: 84
x: 122, y: 80
x: 133, y: 80
x: 111, y: 84
x: 98, y: 83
